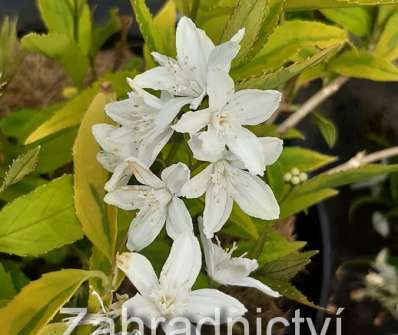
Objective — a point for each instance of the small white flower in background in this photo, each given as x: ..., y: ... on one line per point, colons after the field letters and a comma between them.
x: 228, y: 111
x: 196, y: 55
x: 381, y: 224
x: 171, y: 296
x: 143, y: 132
x: 382, y: 283
x: 224, y: 181
x: 228, y: 270
x: 158, y: 203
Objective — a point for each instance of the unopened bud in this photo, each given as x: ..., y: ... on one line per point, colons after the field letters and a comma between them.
x: 287, y: 177
x: 303, y: 176
x: 295, y: 172
x: 295, y: 180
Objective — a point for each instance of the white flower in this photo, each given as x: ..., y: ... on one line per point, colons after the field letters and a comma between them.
x: 228, y: 111
x: 143, y: 132
x: 196, y: 54
x: 381, y: 224
x: 224, y: 181
x: 171, y: 296
x: 228, y: 270
x: 158, y: 203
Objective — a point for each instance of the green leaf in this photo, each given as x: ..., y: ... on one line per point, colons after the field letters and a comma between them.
x: 275, y: 174
x: 296, y: 202
x: 26, y: 185
x: 281, y: 76
x: 290, y: 42
x: 276, y: 245
x: 72, y: 113
x: 40, y: 221
x: 327, y: 128
x: 337, y: 179
x: 165, y: 22
x: 387, y: 46
x: 394, y: 186
x: 39, y: 301
x: 356, y: 20
x: 70, y: 18
x: 287, y: 267
x: 22, y: 166
x: 56, y: 150
x: 242, y: 220
x: 102, y: 33
x: 62, y: 49
x: 318, y: 4
x: 20, y: 123
x: 262, y: 130
x: 7, y: 287
x: 184, y: 6
x: 288, y: 291
x: 147, y: 26
x: 305, y: 160
x: 364, y: 65
x: 99, y: 221
x: 259, y: 18
x: 54, y: 329
x: 384, y: 14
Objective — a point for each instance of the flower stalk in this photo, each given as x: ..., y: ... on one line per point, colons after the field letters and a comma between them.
x: 312, y: 103
x: 362, y: 159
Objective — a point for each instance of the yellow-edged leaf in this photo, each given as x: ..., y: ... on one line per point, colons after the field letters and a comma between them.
x: 98, y: 220
x: 39, y: 301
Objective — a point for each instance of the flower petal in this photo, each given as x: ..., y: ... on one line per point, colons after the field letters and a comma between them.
x: 101, y: 133
x: 247, y: 147
x: 192, y: 122
x: 146, y: 227
x: 251, y: 282
x: 143, y: 174
x: 128, y: 198
x: 272, y: 147
x: 212, y: 142
x: 217, y: 210
x: 208, y: 249
x: 158, y: 78
x: 179, y: 325
x: 178, y: 218
x: 222, y: 55
x: 254, y: 106
x: 199, y: 184
x: 169, y: 111
x: 126, y: 112
x: 120, y: 177
x: 122, y: 135
x: 144, y: 309
x: 175, y: 177
x: 183, y: 264
x: 220, y: 89
x: 234, y: 270
x: 206, y: 302
x: 108, y: 160
x: 254, y: 196
x: 151, y: 147
x: 193, y: 49
x: 196, y: 145
x: 138, y: 270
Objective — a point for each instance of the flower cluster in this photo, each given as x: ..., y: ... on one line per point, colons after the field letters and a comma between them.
x: 236, y: 156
